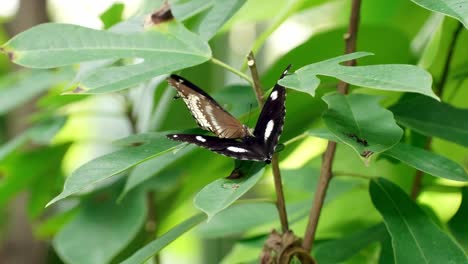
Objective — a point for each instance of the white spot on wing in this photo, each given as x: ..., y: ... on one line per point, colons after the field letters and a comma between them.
x: 236, y: 149
x: 274, y: 95
x: 269, y: 129
x: 174, y: 136
x: 200, y: 138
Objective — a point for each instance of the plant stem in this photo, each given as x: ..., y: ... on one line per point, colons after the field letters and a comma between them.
x: 280, y: 202
x: 256, y: 80
x: 417, y: 182
x: 327, y: 161
x: 231, y: 69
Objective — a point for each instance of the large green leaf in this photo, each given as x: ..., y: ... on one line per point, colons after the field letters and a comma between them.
x: 349, y: 245
x: 138, y: 149
x: 457, y: 224
x: 391, y: 77
x: 454, y: 8
x: 150, y: 168
x: 415, y: 238
x: 151, y: 249
x: 360, y: 122
x: 101, y: 229
x: 221, y: 193
x: 432, y: 118
x: 18, y: 88
x: 428, y: 162
x: 164, y: 49
x: 205, y: 17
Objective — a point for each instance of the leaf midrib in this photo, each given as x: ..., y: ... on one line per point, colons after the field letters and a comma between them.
x: 404, y: 221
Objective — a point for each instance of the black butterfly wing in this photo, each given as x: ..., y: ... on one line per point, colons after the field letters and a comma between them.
x: 206, y: 111
x: 271, y: 120
x: 225, y: 146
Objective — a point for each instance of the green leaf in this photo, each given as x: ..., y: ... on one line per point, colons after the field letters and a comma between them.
x: 360, y: 122
x: 185, y: 9
x: 41, y: 133
x: 112, y: 15
x: 452, y: 8
x: 432, y: 118
x: 457, y: 224
x: 428, y: 162
x: 41, y: 163
x: 18, y: 88
x: 101, y: 229
x: 151, y: 249
x: 211, y: 20
x: 221, y: 193
x: 165, y: 48
x: 150, y: 168
x: 415, y: 238
x: 239, y: 218
x: 349, y: 245
x: 390, y: 77
x: 138, y: 149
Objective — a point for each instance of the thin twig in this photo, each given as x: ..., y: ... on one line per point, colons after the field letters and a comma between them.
x: 327, y: 161
x: 417, y: 182
x: 256, y: 80
x: 231, y: 69
x: 280, y: 202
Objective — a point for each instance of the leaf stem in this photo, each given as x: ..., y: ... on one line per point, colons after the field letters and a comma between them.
x: 417, y: 182
x: 280, y: 202
x: 327, y: 161
x: 231, y: 69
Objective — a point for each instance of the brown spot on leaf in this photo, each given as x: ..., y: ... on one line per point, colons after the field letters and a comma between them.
x: 235, y: 174
x: 136, y: 144
x: 11, y: 56
x: 366, y: 153
x: 162, y: 15
x: 78, y: 90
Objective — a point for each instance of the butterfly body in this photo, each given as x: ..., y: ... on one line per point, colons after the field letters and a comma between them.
x: 233, y: 139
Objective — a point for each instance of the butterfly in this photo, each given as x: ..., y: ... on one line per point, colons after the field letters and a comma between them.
x: 233, y: 139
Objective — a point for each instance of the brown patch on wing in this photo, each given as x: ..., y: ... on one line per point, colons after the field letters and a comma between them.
x: 206, y: 111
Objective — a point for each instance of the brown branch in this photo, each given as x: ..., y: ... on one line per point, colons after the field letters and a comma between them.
x: 256, y: 80
x: 417, y: 182
x: 327, y: 161
x: 280, y: 202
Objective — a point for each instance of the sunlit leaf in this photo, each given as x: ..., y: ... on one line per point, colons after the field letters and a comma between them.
x: 137, y: 149
x: 221, y: 193
x: 360, y: 122
x: 432, y: 118
x: 101, y: 229
x: 453, y: 8
x: 151, y: 249
x: 112, y: 15
x: 415, y: 238
x: 428, y: 162
x: 391, y: 77
x: 164, y: 49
